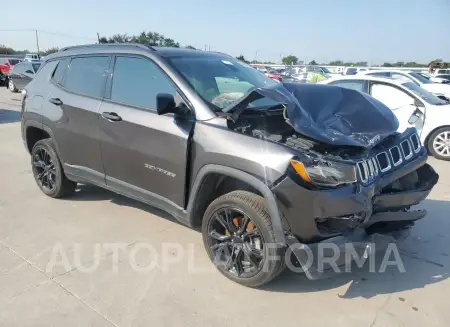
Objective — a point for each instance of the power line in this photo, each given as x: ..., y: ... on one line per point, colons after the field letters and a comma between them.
x: 50, y: 33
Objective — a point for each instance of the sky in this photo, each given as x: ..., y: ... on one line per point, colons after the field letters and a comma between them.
x: 375, y: 31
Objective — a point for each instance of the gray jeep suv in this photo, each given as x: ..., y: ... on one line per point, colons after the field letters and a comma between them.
x: 261, y: 167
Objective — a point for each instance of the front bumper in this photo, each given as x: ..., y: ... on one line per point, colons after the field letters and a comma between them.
x: 337, y: 216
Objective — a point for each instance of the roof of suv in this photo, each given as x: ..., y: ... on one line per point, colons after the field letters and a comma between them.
x: 163, y: 51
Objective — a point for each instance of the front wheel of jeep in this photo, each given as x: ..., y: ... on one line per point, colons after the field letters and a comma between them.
x: 239, y: 238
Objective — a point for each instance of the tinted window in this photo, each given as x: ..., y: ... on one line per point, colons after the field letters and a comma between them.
x: 58, y: 74
x: 87, y: 75
x: 14, y: 61
x: 424, y: 94
x: 2, y: 61
x: 351, y: 84
x: 419, y: 77
x: 137, y: 81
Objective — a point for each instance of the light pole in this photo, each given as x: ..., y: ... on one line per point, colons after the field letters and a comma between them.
x: 256, y: 56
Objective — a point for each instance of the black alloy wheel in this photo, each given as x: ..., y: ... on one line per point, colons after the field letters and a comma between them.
x: 48, y: 172
x: 235, y: 242
x: 44, y: 169
x: 239, y: 239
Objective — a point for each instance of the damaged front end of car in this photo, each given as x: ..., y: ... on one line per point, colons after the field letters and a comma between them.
x: 353, y: 177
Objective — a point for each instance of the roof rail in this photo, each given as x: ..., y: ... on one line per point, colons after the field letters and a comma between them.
x: 107, y: 45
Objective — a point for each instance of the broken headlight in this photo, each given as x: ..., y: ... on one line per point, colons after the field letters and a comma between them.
x: 324, y: 173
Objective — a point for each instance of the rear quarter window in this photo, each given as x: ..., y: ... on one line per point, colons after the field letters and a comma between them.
x: 60, y: 70
x: 43, y: 75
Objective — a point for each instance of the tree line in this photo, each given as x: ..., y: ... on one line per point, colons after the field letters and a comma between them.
x: 157, y: 39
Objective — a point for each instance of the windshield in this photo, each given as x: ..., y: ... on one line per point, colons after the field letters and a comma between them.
x: 222, y: 81
x: 424, y: 75
x: 424, y: 94
x: 14, y: 61
x: 420, y: 78
x: 326, y: 70
x: 36, y: 66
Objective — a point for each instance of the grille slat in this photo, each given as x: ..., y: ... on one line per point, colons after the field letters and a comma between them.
x: 406, y: 149
x: 384, y: 161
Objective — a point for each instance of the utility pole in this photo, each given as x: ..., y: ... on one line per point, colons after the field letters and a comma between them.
x: 37, y: 43
x: 98, y: 38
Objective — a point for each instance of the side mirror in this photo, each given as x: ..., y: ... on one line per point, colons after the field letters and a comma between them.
x: 415, y: 116
x: 165, y: 104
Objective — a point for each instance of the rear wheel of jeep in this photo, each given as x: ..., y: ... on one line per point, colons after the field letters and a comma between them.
x: 48, y: 172
x: 439, y: 143
x: 239, y: 238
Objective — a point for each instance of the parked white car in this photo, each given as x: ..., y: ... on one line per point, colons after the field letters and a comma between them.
x: 441, y: 72
x: 440, y: 90
x: 413, y: 106
x: 434, y: 79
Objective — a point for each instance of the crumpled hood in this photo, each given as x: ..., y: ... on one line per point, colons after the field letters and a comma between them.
x: 329, y: 114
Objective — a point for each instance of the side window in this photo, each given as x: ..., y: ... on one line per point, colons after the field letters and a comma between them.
x: 391, y: 96
x: 357, y: 85
x: 137, y: 81
x: 2, y: 61
x: 28, y: 68
x: 60, y: 70
x: 87, y: 75
x: 401, y: 77
x: 19, y: 68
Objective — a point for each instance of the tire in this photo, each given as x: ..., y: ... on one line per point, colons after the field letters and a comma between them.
x: 11, y: 86
x: 249, y: 205
x: 51, y: 178
x: 439, y: 143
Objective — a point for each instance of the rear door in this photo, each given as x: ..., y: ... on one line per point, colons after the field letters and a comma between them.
x: 403, y: 104
x: 143, y: 153
x: 73, y: 102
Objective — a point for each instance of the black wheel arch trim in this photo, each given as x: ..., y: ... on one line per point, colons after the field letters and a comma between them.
x: 247, y: 178
x: 48, y: 130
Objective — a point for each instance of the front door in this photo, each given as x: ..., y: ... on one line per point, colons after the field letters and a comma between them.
x: 144, y: 154
x: 402, y: 104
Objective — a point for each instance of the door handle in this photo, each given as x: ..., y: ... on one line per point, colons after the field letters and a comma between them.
x: 55, y: 101
x: 112, y: 116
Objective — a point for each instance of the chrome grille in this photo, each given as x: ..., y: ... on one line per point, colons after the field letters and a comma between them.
x: 383, y: 161
x: 370, y: 168
x: 406, y: 149
x: 396, y: 156
x: 415, y: 143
